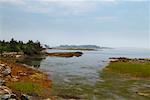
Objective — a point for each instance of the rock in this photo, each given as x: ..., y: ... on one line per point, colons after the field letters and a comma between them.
x: 6, y: 72
x: 143, y: 94
x: 5, y: 90
x: 22, y: 73
x: 14, y: 79
x: 2, y: 82
x: 6, y: 96
x: 48, y: 99
x: 1, y: 68
x: 67, y: 80
x: 13, y: 97
x: 24, y: 97
x: 2, y: 65
x: 18, y: 56
x: 13, y: 54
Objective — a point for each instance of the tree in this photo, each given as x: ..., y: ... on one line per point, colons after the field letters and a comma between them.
x: 13, y: 46
x: 29, y: 48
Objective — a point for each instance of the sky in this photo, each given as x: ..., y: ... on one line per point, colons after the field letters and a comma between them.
x: 109, y: 23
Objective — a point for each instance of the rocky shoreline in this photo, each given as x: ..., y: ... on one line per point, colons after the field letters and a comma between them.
x: 20, y: 55
x: 20, y: 82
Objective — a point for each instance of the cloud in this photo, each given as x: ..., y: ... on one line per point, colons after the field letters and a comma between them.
x: 55, y: 7
x: 59, y: 7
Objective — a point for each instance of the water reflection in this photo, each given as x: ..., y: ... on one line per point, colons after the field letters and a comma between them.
x: 34, y: 62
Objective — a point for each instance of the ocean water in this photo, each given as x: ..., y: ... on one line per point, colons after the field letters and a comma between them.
x: 82, y: 77
x: 87, y: 66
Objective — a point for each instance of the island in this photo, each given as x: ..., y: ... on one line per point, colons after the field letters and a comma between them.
x: 77, y: 47
x: 65, y: 54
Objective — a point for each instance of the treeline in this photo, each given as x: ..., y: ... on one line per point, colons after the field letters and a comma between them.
x: 29, y: 48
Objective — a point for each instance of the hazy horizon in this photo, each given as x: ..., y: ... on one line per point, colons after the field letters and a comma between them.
x: 106, y: 23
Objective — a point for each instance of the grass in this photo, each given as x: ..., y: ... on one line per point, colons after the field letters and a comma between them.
x: 113, y: 85
x: 132, y: 68
x: 72, y: 91
x: 26, y: 87
x: 118, y: 87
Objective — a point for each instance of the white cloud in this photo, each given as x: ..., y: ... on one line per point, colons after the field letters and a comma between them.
x: 59, y: 7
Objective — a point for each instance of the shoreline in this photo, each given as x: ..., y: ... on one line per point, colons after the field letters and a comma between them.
x: 132, y: 67
x: 25, y: 80
x: 34, y: 77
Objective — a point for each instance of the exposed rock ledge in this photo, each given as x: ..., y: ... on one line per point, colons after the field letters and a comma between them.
x: 65, y: 54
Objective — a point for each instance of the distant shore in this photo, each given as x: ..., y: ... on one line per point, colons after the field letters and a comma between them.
x: 82, y: 49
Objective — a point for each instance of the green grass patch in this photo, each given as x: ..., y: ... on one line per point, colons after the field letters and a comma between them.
x: 26, y: 87
x: 132, y: 68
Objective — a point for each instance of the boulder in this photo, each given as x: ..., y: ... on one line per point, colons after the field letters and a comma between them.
x: 6, y: 94
x: 8, y: 97
x: 5, y: 90
x: 2, y: 65
x: 6, y: 72
x: 24, y: 97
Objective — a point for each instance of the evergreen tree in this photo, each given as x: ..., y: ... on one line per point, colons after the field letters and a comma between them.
x: 29, y: 48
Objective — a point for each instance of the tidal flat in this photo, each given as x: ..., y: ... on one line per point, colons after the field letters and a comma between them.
x: 92, y: 76
x: 112, y: 84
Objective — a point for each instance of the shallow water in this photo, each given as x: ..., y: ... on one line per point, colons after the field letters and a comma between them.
x: 80, y: 75
x: 86, y: 66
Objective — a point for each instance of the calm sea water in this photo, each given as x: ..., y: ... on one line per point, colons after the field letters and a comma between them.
x: 83, y: 77
x: 85, y: 68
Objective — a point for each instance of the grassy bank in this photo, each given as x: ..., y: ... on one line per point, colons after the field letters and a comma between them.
x: 131, y: 67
